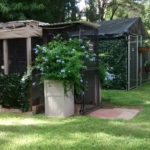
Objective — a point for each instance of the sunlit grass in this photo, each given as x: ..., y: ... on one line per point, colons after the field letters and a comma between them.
x: 27, y: 132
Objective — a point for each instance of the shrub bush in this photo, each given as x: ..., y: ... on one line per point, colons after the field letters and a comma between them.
x: 113, y: 55
x: 14, y: 91
x: 64, y: 61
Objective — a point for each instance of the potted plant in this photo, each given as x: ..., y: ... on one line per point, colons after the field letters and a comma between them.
x: 61, y: 64
x: 147, y: 66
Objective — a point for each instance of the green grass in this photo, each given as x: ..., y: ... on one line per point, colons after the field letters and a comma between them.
x: 24, y: 132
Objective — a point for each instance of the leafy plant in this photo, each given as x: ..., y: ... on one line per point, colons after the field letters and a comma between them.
x: 146, y: 43
x: 64, y: 61
x: 14, y: 91
x: 147, y: 64
x: 113, y: 55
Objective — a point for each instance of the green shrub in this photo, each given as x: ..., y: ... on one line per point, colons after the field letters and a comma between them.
x: 113, y: 55
x: 14, y: 91
x: 147, y: 64
x: 64, y: 61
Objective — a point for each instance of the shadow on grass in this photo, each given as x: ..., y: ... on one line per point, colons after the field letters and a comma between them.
x: 87, y: 125
x: 78, y: 133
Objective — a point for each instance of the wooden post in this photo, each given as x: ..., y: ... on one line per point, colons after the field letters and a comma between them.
x: 29, y: 53
x: 137, y: 62
x: 29, y: 61
x: 141, y: 60
x: 129, y: 59
x: 5, y: 57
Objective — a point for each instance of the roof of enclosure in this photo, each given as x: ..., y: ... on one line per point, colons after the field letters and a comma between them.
x: 117, y: 28
x: 21, y: 29
x: 63, y: 25
x: 106, y: 29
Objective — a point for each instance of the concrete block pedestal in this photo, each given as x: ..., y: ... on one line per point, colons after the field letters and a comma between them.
x: 58, y: 103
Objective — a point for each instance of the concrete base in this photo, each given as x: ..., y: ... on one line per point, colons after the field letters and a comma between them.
x: 57, y: 103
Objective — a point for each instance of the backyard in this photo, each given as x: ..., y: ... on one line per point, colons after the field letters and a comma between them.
x: 23, y: 132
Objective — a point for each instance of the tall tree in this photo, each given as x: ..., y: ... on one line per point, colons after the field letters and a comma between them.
x: 108, y: 9
x: 91, y: 10
x: 44, y: 10
x: 146, y: 16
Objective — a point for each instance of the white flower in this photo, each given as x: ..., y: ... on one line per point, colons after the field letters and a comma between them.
x: 35, y: 50
x: 87, y: 56
x: 62, y: 70
x: 109, y: 76
x: 37, y: 45
x: 92, y: 59
x: 83, y: 47
x: 41, y: 69
x: 81, y: 80
x: 62, y: 61
x: 45, y: 59
x: 58, y: 61
x: 23, y: 79
x: 44, y: 49
x: 34, y: 83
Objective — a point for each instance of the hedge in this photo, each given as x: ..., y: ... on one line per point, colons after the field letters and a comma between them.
x: 14, y: 91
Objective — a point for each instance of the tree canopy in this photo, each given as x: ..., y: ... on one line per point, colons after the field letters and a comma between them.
x: 68, y: 10
x: 43, y: 10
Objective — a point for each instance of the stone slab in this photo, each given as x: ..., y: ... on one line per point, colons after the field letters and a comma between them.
x: 115, y: 113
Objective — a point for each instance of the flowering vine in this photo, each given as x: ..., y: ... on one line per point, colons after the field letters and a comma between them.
x: 64, y: 61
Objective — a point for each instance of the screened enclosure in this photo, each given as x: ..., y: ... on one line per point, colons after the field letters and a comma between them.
x: 17, y: 40
x: 119, y: 42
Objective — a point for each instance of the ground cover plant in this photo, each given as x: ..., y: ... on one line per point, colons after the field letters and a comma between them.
x: 23, y: 132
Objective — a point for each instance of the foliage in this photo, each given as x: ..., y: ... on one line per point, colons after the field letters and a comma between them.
x: 146, y: 43
x: 124, y: 9
x: 47, y: 10
x: 90, y: 11
x: 64, y: 61
x: 102, y: 72
x: 14, y: 91
x: 110, y: 9
x: 113, y: 54
x: 147, y: 64
x: 146, y: 15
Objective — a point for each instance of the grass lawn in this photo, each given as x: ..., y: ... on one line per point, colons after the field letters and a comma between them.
x: 24, y: 132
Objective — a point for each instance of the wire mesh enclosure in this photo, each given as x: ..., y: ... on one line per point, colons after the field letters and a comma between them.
x: 123, y: 60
